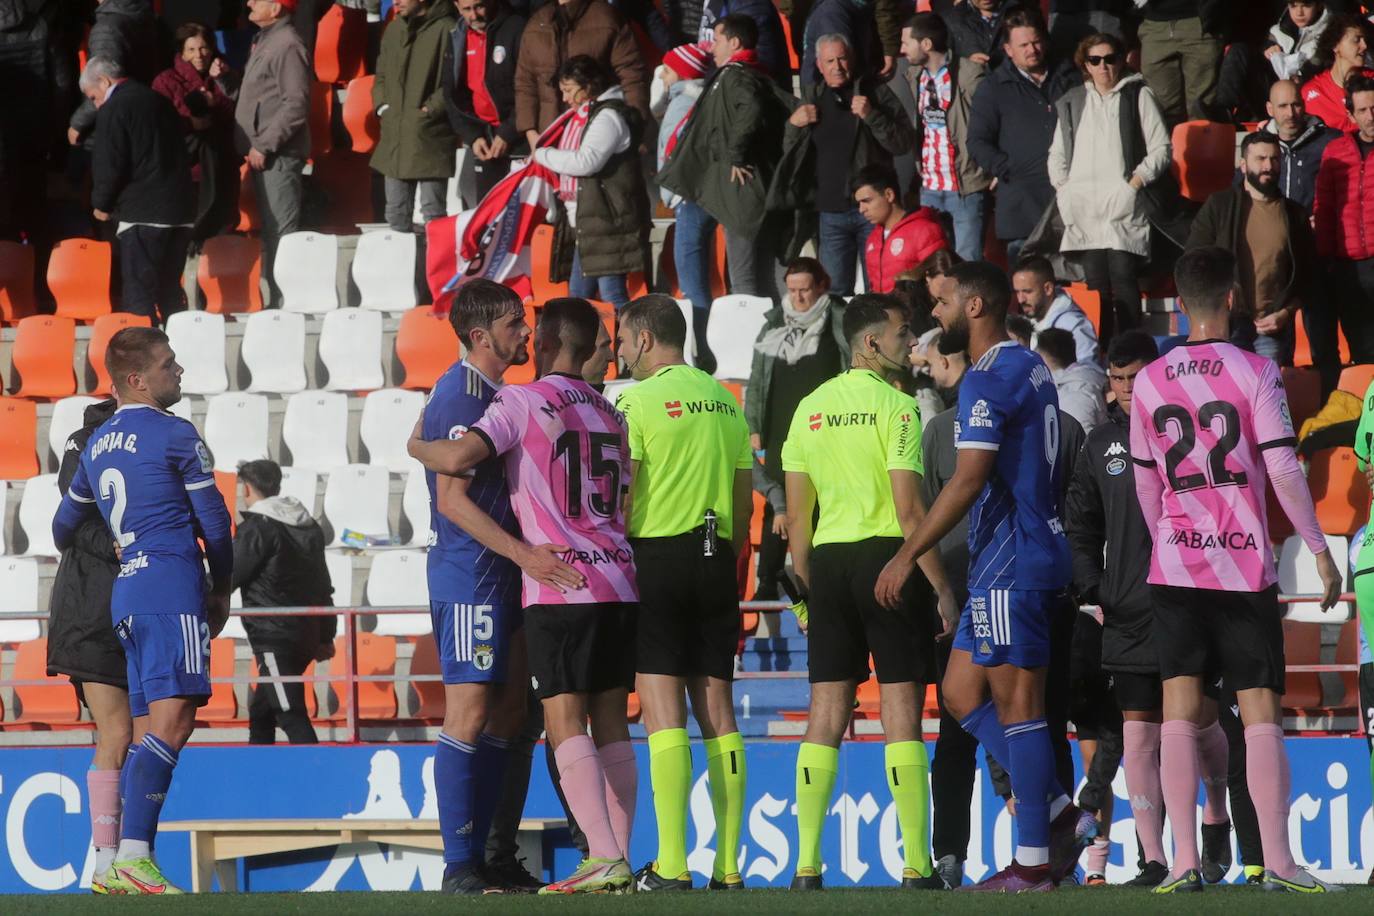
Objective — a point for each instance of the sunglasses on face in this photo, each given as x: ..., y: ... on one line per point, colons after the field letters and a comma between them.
x: 1097, y: 60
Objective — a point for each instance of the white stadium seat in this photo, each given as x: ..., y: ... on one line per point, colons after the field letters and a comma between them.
x: 733, y: 326
x: 302, y: 483
x: 341, y: 577
x: 689, y: 352
x: 398, y: 579
x: 356, y: 496
x: 384, y: 270
x: 233, y: 627
x: 305, y: 268
x: 68, y: 415
x: 615, y: 387
x: 274, y: 351
x: 236, y: 428
x: 389, y: 416
x: 18, y: 592
x: 315, y: 429
x: 1298, y: 576
x: 197, y: 338
x: 37, y: 507
x: 351, y: 350
x: 182, y: 409
x: 415, y: 505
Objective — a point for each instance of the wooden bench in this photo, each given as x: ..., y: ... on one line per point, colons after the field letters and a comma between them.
x: 217, y: 845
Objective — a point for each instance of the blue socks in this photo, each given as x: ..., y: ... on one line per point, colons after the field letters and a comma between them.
x: 982, y: 724
x: 147, y: 775
x: 1031, y: 767
x: 124, y: 773
x: 453, y: 772
x: 489, y: 773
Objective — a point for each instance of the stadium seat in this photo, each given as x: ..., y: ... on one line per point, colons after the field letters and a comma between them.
x: 1302, y: 645
x: 303, y: 484
x: 320, y: 118
x: 304, y: 271
x: 222, y: 707
x: 79, y: 278
x: 614, y: 388
x: 1298, y: 576
x: 44, y: 347
x: 230, y: 274
x: 384, y: 271
x: 1304, y: 389
x: 1204, y: 158
x: 227, y: 482
x: 197, y: 338
x: 689, y: 352
x: 356, y: 498
x: 340, y: 567
x: 68, y: 415
x: 236, y: 428
x: 1356, y: 380
x: 524, y: 373
x: 233, y: 627
x: 1338, y: 490
x: 359, y: 118
x: 398, y: 579
x: 389, y: 416
x: 274, y: 351
x: 426, y: 346
x: 18, y: 594
x: 37, y: 507
x: 18, y: 439
x: 351, y: 350
x: 541, y: 258
x: 1089, y: 300
x: 610, y: 319
x: 16, y: 281
x: 340, y: 45
x: 250, y: 219
x: 429, y: 694
x: 315, y: 430
x: 376, y: 658
x: 731, y: 329
x: 102, y: 329
x: 52, y: 705
x: 415, y: 505
x: 182, y: 409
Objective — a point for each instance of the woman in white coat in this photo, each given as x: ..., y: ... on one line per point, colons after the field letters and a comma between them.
x: 1111, y: 142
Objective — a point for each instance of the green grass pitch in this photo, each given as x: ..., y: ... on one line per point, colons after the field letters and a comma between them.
x: 1066, y: 902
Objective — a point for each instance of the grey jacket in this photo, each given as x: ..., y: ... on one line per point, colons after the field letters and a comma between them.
x: 966, y: 76
x: 273, y: 111
x: 761, y: 372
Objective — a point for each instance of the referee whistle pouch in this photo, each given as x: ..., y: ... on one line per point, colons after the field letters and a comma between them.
x: 708, y: 540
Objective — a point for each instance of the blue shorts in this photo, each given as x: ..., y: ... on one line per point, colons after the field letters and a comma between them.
x: 1002, y: 626
x: 474, y: 639
x: 166, y: 655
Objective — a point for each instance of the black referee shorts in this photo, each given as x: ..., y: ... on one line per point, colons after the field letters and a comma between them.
x: 1208, y: 632
x: 689, y: 621
x: 581, y: 648
x: 847, y: 623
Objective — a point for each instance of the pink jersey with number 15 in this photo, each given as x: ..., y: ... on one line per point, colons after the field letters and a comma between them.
x: 1202, y: 418
x: 567, y: 464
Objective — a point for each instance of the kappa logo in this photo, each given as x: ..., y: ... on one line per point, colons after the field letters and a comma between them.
x: 1116, y: 448
x: 816, y: 420
x: 674, y: 408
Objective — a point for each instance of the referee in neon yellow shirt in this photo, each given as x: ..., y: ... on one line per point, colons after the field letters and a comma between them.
x: 855, y: 446
x: 689, y: 507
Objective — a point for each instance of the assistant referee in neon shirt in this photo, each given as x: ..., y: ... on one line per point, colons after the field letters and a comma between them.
x: 855, y: 445
x: 689, y: 507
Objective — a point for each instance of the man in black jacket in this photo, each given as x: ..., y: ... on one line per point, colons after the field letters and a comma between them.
x: 479, y: 92
x: 279, y: 562
x: 975, y: 30
x: 1302, y: 140
x: 1012, y: 123
x: 140, y: 176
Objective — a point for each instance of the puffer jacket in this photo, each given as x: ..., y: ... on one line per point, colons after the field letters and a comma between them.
x: 918, y: 236
x: 1343, y: 210
x: 1296, y: 46
x: 417, y: 141
x: 279, y: 562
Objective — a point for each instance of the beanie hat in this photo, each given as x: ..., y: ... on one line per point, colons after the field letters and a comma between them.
x: 687, y: 61
x: 288, y: 5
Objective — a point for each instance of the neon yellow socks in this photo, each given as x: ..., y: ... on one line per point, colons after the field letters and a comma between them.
x: 725, y: 771
x: 670, y: 769
x: 816, y: 768
x: 908, y: 776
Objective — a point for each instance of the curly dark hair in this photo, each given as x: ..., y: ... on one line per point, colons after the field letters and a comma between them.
x: 587, y: 72
x: 1324, y: 58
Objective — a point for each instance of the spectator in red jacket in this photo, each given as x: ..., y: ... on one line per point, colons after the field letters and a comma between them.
x: 1342, y: 49
x: 1343, y: 217
x: 899, y: 240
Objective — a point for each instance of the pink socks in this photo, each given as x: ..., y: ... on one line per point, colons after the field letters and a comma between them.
x: 584, y: 785
x: 622, y: 784
x: 1178, y: 770
x: 1098, y: 853
x: 103, y: 788
x: 1141, y: 759
x: 1213, y: 751
x: 1267, y: 774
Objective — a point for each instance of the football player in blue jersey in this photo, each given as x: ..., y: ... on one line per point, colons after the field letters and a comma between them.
x: 152, y: 480
x: 1006, y: 482
x: 475, y: 558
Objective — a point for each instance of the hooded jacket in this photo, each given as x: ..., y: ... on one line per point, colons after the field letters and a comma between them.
x: 682, y: 95
x: 1302, y: 156
x: 416, y: 141
x: 919, y: 235
x: 279, y: 562
x: 1102, y: 511
x: 1343, y: 208
x: 1296, y: 45
x: 1065, y: 314
x: 1080, y: 389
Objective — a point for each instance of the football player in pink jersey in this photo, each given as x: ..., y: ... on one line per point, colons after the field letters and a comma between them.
x: 567, y: 464
x: 1209, y: 426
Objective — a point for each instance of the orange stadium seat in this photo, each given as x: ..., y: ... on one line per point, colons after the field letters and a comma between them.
x: 227, y: 482
x: 1356, y: 379
x: 230, y: 274
x: 429, y: 693
x: 1304, y: 389
x: 734, y: 388
x: 44, y: 707
x: 519, y: 375
x: 541, y: 257
x: 312, y: 701
x: 44, y: 347
x: 18, y: 439
x: 1089, y: 300
x: 223, y: 707
x: 426, y: 346
x: 756, y: 521
x: 16, y: 281
x: 102, y: 329
x: 1204, y: 158
x: 1302, y: 645
x: 321, y: 117
x: 250, y: 220
x: 1338, y: 490
x: 79, y: 278
x: 359, y: 118
x: 376, y: 657
x: 340, y: 45
x: 610, y: 318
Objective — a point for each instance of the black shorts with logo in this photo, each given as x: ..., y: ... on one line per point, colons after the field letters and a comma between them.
x: 847, y: 623
x: 581, y: 648
x: 689, y: 621
x: 1237, y: 636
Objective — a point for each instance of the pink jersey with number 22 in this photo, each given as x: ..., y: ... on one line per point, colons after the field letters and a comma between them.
x: 567, y: 465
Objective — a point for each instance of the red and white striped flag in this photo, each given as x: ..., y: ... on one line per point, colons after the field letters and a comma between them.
x: 492, y: 240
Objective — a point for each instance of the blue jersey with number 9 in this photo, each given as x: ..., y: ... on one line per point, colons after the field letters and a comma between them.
x: 153, y: 480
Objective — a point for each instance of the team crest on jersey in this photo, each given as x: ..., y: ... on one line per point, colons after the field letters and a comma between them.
x: 483, y: 656
x: 206, y: 463
x: 816, y: 421
x: 979, y: 415
x: 1116, y: 466
x: 674, y: 408
x: 897, y: 245
x: 457, y: 432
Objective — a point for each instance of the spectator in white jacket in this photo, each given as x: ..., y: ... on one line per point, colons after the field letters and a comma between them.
x: 1111, y: 117
x: 1080, y: 383
x: 1049, y: 306
x: 1293, y: 40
